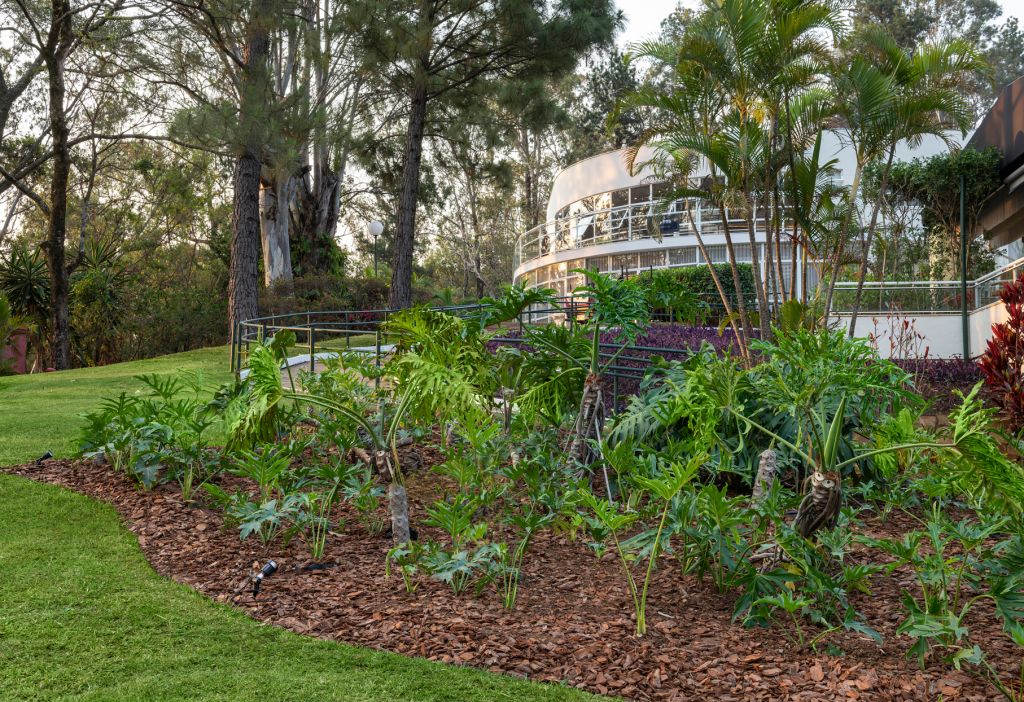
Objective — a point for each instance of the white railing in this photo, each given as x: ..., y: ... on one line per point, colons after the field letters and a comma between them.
x: 926, y: 296
x: 627, y: 223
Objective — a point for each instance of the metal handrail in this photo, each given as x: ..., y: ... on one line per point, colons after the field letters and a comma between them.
x: 928, y: 296
x: 566, y: 233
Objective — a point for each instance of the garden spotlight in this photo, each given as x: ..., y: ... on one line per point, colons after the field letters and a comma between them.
x: 269, y: 569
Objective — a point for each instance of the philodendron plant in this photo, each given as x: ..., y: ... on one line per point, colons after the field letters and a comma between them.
x: 267, y: 391
x: 613, y: 307
x: 969, y: 448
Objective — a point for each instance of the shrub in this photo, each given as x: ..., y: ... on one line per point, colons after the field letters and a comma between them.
x: 1003, y: 360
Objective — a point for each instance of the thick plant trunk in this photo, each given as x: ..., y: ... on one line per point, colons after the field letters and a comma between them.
x: 767, y: 469
x: 59, y: 42
x: 275, y: 198
x: 820, y: 507
x: 243, y: 272
x: 401, y: 272
x: 589, y: 424
x: 398, y: 506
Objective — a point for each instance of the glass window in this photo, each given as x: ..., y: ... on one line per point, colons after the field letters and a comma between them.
x: 640, y: 194
x: 623, y: 262
x: 649, y: 259
x: 682, y: 256
x: 718, y: 253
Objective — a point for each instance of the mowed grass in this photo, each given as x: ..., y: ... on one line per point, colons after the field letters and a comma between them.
x: 84, y: 617
x: 41, y: 412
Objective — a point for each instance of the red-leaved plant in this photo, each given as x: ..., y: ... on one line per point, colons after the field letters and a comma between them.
x: 1003, y: 360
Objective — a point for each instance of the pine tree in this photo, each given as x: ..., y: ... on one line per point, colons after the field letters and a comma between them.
x: 434, y: 50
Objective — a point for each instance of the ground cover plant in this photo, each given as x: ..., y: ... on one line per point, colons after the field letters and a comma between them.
x: 762, y: 486
x: 43, y: 412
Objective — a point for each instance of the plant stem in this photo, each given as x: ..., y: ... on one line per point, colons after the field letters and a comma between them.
x: 641, y: 615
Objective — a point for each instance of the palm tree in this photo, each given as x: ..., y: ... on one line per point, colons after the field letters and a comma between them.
x: 685, y: 134
x: 734, y: 72
x: 928, y: 100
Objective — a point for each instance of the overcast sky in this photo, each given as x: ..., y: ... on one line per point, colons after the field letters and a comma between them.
x: 643, y: 17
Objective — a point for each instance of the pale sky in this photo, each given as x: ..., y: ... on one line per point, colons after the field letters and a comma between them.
x: 643, y: 17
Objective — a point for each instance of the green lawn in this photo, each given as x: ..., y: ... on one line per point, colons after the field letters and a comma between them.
x: 84, y: 617
x: 40, y: 413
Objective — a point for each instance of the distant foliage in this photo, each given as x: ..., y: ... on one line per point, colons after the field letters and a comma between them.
x: 937, y: 379
x: 1003, y: 360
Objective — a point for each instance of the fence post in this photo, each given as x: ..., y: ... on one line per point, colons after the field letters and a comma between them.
x: 312, y: 351
x: 376, y: 380
x: 233, y: 361
x: 963, y: 270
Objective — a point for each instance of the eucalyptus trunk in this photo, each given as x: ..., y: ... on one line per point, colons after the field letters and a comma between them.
x: 275, y: 198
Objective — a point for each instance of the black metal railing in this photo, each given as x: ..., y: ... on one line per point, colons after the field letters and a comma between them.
x: 321, y: 334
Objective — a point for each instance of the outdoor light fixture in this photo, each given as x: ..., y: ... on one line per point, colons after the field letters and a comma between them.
x: 269, y: 569
x: 375, y: 229
x: 45, y: 457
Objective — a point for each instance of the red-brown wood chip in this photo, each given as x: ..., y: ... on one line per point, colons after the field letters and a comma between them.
x: 572, y: 622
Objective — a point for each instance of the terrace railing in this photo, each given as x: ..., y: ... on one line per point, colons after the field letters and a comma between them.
x: 321, y: 335
x: 926, y: 296
x: 627, y: 223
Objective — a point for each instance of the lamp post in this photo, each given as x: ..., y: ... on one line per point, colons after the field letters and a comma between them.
x: 375, y: 229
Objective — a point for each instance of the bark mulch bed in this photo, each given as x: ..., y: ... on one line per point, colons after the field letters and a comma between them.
x: 572, y: 622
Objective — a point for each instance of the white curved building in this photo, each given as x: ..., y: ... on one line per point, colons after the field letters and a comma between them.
x: 603, y: 217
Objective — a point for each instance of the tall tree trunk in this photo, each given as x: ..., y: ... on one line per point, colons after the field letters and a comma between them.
x: 764, y: 313
x: 245, y: 221
x: 401, y: 272
x: 869, y: 240
x: 741, y: 303
x: 58, y: 44
x: 275, y: 198
x: 841, y: 244
x: 245, y: 237
x: 741, y: 338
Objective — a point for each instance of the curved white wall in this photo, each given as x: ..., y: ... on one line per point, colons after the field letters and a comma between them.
x: 596, y: 175
x: 608, y: 171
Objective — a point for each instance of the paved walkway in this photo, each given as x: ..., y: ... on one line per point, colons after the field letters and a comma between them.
x: 301, y: 361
